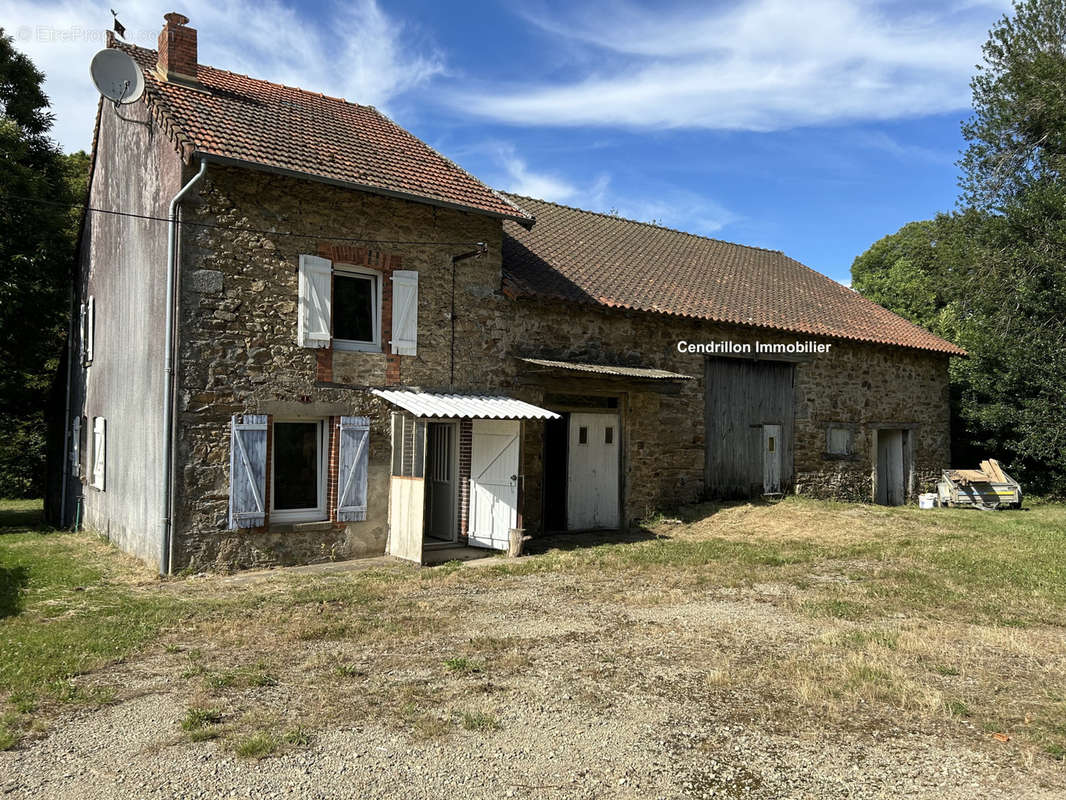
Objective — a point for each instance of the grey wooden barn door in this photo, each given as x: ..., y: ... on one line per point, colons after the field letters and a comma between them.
x: 741, y: 398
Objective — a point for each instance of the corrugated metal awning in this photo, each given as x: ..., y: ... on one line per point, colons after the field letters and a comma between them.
x: 609, y: 369
x: 462, y: 406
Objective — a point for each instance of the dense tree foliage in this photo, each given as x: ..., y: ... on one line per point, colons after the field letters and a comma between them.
x: 1017, y: 135
x: 991, y: 277
x: 36, y: 249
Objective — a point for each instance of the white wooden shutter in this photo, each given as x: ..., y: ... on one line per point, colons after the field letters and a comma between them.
x: 75, y: 446
x: 316, y: 289
x: 84, y: 332
x: 90, y: 330
x: 247, y: 471
x: 99, y: 451
x: 405, y: 312
x: 352, y: 460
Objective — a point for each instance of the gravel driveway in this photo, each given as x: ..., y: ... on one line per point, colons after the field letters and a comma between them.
x: 589, y: 696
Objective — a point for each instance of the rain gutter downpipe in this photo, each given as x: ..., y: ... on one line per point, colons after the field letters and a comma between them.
x: 166, y: 560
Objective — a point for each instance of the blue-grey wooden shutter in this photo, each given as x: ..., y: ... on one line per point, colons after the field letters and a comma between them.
x: 247, y: 471
x: 352, y: 459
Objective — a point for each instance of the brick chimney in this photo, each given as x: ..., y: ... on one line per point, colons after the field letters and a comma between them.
x: 177, y: 49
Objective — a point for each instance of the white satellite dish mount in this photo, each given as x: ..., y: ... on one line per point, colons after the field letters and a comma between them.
x: 117, y: 76
x: 119, y: 79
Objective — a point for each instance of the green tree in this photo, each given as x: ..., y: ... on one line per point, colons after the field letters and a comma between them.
x: 992, y: 276
x: 36, y: 250
x: 1017, y: 135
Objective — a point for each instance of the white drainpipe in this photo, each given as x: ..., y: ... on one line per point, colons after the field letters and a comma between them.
x: 168, y: 369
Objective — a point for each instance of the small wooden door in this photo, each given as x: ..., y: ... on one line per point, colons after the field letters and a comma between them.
x: 771, y: 459
x: 890, y: 478
x: 493, y: 482
x: 592, y: 473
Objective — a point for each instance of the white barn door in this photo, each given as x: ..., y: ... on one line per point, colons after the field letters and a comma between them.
x: 493, y: 482
x: 592, y: 474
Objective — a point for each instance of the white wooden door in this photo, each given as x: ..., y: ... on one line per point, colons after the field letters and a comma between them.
x: 592, y: 473
x: 771, y: 459
x: 493, y: 482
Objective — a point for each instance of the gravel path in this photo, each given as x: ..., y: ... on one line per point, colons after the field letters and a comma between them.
x: 608, y: 701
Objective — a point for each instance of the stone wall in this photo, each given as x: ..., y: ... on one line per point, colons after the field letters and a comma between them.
x: 862, y: 386
x: 238, y: 354
x: 238, y: 349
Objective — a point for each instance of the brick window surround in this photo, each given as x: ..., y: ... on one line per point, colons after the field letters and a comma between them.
x: 386, y: 264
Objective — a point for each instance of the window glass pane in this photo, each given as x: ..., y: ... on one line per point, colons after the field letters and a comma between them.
x: 608, y: 436
x: 582, y: 435
x: 353, y: 308
x: 295, y: 465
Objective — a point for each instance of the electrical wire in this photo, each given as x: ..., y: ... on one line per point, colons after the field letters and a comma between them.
x: 237, y: 228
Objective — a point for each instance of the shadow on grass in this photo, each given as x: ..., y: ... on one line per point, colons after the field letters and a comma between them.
x: 16, y: 514
x: 12, y: 581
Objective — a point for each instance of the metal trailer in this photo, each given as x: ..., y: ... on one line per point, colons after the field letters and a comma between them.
x: 987, y: 488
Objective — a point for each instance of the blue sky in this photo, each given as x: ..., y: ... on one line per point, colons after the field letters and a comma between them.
x: 813, y: 128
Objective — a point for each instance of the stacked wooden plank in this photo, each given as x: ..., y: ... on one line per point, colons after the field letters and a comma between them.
x: 988, y: 487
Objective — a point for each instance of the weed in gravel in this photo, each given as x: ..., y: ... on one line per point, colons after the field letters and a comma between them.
x: 462, y: 665
x: 957, y: 708
x: 260, y: 678
x: 479, y: 721
x: 197, y: 718
x: 348, y: 671
x: 220, y: 680
x: 257, y: 745
x: 297, y: 737
x: 9, y: 736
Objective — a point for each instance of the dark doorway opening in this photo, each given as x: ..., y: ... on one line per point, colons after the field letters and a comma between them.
x: 556, y: 438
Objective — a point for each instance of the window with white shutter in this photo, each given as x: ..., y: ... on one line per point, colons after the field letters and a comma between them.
x: 352, y: 461
x: 315, y: 290
x: 356, y: 308
x: 99, y: 452
x: 247, y: 471
x: 75, y: 446
x: 405, y: 312
x: 90, y: 330
x: 83, y: 332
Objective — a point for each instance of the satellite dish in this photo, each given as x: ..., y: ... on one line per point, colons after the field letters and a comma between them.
x: 117, y: 76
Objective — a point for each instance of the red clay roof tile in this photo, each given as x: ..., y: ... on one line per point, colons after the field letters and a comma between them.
x: 266, y: 124
x: 582, y: 256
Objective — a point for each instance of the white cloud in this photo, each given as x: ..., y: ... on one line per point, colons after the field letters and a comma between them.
x: 517, y: 177
x: 665, y: 205
x: 762, y: 65
x: 355, y: 51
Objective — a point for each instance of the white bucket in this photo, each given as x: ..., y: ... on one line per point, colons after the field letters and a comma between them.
x: 927, y: 500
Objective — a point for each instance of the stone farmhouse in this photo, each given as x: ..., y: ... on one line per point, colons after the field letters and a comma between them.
x: 305, y: 335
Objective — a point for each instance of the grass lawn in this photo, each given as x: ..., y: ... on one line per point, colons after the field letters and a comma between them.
x: 876, y: 617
